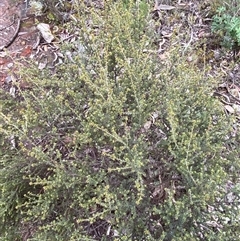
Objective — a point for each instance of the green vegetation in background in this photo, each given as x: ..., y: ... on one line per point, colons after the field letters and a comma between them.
x: 226, y: 23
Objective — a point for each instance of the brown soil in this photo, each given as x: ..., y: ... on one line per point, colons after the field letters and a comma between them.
x: 20, y: 40
x: 15, y: 42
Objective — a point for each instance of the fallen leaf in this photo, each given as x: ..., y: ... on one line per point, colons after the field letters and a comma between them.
x: 235, y: 93
x: 164, y: 7
x: 12, y: 91
x: 236, y: 108
x: 147, y: 125
x: 229, y: 108
x: 42, y: 65
x: 223, y: 85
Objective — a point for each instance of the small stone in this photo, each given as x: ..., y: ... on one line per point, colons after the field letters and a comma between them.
x: 10, y: 65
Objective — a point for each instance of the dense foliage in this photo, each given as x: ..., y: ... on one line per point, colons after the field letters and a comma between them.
x: 117, y: 144
x: 226, y: 23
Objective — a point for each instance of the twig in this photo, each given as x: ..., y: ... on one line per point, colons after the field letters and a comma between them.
x: 8, y: 25
x: 189, y: 42
x: 14, y: 36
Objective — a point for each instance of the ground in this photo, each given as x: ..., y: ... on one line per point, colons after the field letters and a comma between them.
x: 21, y: 42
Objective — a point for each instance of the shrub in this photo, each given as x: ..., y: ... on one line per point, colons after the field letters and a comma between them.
x: 226, y: 24
x: 115, y: 145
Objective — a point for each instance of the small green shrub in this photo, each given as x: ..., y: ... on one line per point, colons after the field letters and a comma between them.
x: 226, y: 24
x: 115, y: 144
